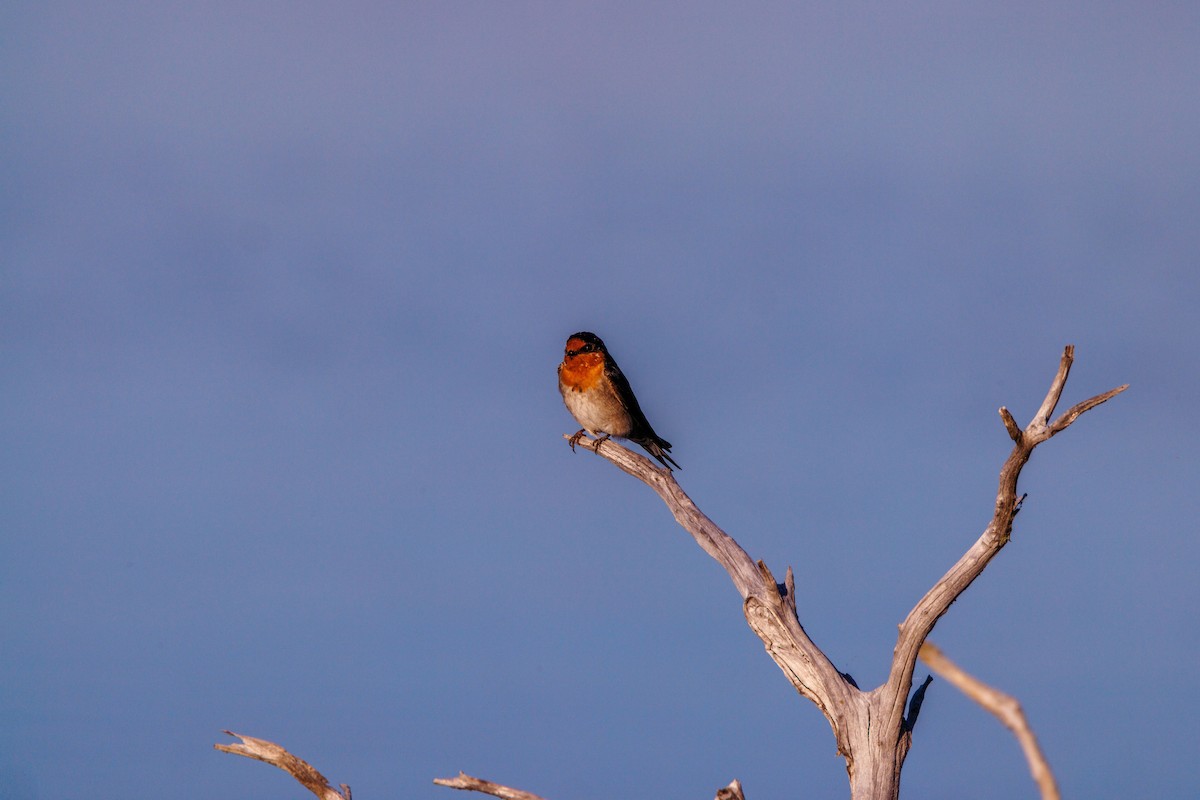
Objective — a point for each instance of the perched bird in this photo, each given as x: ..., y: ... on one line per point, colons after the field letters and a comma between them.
x: 599, y: 398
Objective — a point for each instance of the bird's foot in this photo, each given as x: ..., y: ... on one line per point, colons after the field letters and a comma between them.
x: 599, y: 441
x: 574, y: 440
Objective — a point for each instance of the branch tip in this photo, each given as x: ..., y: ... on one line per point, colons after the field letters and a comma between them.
x: 1010, y: 425
x: 1056, y: 386
x: 731, y: 792
x: 468, y: 783
x: 1004, y: 707
x: 1077, y: 410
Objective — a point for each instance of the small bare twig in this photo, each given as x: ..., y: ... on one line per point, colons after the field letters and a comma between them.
x: 466, y: 782
x: 1074, y: 411
x: 731, y: 792
x: 271, y: 753
x: 1056, y: 387
x: 1005, y: 707
x: 1010, y: 424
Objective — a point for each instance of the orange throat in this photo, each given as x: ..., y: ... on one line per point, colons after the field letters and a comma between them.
x: 581, y: 372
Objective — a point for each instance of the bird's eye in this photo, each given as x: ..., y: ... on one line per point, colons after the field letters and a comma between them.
x: 584, y: 347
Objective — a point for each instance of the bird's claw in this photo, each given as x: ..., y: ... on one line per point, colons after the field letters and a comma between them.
x: 574, y: 440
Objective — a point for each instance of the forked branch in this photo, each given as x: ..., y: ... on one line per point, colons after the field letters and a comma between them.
x: 870, y: 727
x: 920, y: 621
x: 872, y: 731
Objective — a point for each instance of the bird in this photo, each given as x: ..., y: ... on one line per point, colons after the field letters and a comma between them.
x: 600, y: 399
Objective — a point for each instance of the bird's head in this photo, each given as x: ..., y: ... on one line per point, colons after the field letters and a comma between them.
x: 583, y: 342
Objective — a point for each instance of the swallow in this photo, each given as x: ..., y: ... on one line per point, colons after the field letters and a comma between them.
x: 598, y: 396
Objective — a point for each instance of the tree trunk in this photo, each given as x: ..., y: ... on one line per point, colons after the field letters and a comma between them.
x: 874, y: 765
x: 868, y: 741
x: 881, y: 781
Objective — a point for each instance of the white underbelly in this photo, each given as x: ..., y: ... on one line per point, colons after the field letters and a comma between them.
x: 598, y: 411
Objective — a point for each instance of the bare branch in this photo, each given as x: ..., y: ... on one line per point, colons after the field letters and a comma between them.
x: 716, y: 542
x: 871, y: 730
x: 1056, y: 387
x: 731, y: 792
x: 271, y: 753
x: 467, y: 783
x: 925, y: 614
x: 770, y: 613
x: 1010, y: 424
x: 1073, y: 413
x: 789, y: 584
x: 1004, y: 707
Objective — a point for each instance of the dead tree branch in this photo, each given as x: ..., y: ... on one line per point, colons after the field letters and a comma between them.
x: 872, y: 732
x: 271, y: 753
x: 731, y: 792
x: 1005, y: 707
x: 769, y: 608
x: 870, y: 727
x: 920, y: 621
x: 466, y: 782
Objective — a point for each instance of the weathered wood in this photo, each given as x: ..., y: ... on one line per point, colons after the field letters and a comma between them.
x: 731, y: 792
x: 271, y: 753
x: 467, y: 783
x: 870, y: 727
x: 1005, y: 707
x: 873, y: 733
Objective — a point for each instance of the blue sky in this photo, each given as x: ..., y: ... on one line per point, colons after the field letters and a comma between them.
x: 283, y: 286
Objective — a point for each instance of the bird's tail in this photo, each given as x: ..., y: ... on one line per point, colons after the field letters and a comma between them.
x: 659, y: 448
